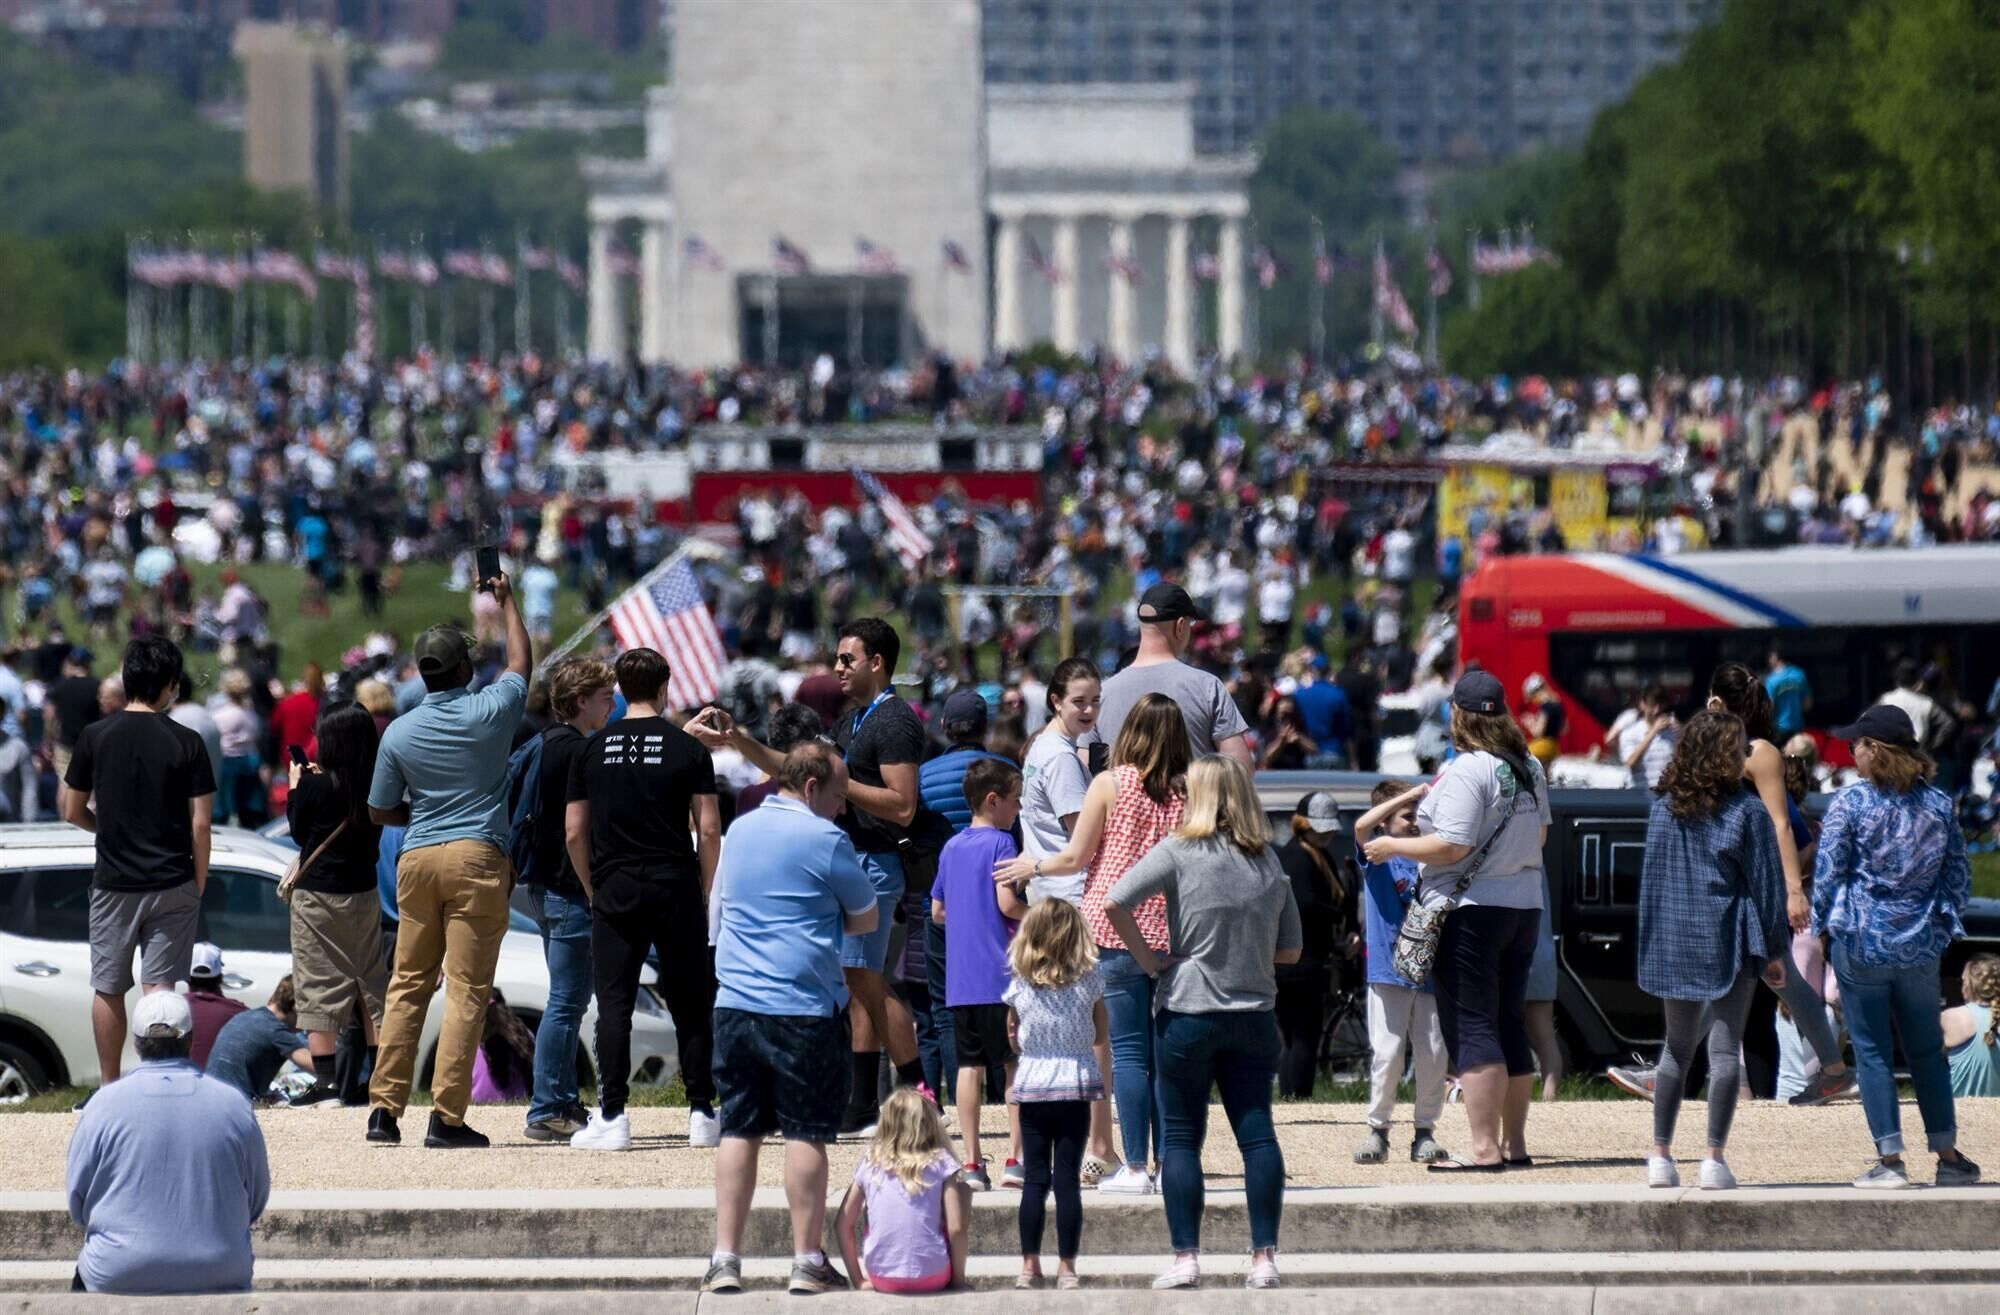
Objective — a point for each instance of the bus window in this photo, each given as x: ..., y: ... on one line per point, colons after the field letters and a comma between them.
x: 1605, y: 672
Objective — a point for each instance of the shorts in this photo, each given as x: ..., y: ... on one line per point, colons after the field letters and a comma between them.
x: 981, y: 1034
x: 159, y: 924
x: 337, y: 957
x: 1482, y: 985
x: 781, y: 1074
x: 871, y: 950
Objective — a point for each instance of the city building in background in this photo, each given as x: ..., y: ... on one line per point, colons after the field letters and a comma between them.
x: 1437, y: 80
x: 295, y: 108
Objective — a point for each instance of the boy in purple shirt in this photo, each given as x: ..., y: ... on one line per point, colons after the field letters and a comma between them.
x: 980, y: 923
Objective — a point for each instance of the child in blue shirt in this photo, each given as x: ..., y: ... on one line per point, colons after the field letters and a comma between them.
x: 1400, y: 1013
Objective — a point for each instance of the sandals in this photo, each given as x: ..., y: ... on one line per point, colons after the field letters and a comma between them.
x: 1452, y: 1164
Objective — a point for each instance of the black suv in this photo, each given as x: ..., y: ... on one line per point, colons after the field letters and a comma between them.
x: 1596, y: 841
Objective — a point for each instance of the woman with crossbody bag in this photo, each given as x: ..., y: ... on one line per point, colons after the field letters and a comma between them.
x: 336, y: 923
x: 1478, y: 914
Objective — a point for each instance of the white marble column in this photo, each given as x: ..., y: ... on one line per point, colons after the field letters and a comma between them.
x: 653, y: 302
x: 1067, y: 330
x: 1007, y: 326
x: 1229, y: 288
x: 1178, y: 338
x: 1123, y: 293
x: 606, y: 339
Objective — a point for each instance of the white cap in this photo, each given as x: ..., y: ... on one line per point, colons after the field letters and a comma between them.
x: 207, y: 960
x: 162, y: 1014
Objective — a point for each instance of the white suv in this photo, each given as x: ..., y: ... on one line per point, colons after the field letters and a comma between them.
x: 45, y: 995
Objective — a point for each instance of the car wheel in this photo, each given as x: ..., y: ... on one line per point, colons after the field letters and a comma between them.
x: 21, y: 1075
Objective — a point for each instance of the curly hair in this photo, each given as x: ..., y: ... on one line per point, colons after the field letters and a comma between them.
x: 1981, y: 982
x: 1707, y: 766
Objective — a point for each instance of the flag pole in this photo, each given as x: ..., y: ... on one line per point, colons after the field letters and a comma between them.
x: 1318, y: 294
x: 596, y: 623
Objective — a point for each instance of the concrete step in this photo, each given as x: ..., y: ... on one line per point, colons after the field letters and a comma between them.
x: 1603, y: 1269
x: 1499, y: 1218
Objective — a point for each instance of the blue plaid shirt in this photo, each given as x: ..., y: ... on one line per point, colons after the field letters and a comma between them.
x: 1711, y: 899
x: 1891, y: 879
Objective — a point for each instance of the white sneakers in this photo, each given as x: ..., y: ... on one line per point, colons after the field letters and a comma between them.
x: 1715, y: 1177
x: 602, y: 1134
x: 704, y: 1129
x: 1660, y: 1172
x: 1128, y: 1181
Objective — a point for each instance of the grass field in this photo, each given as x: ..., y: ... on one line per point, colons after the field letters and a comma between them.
x: 1986, y: 875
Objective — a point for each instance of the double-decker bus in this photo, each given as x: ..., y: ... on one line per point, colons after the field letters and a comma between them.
x: 1600, y: 627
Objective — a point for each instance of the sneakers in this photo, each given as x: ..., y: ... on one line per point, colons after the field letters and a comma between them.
x: 602, y: 1134
x: 1661, y: 1172
x: 1096, y: 1170
x: 1013, y: 1176
x: 1424, y: 1148
x: 812, y: 1277
x: 1961, y: 1172
x: 1128, y: 1181
x: 1716, y: 1177
x: 858, y: 1123
x: 1263, y: 1274
x: 974, y: 1176
x: 558, y: 1128
x: 1186, y: 1273
x: 314, y: 1095
x: 704, y: 1130
x: 1822, y: 1087
x: 1884, y: 1177
x: 382, y: 1129
x: 442, y: 1136
x: 1374, y: 1148
x: 1634, y: 1080
x: 723, y: 1276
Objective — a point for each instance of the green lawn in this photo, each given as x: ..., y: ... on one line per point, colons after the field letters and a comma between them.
x: 1986, y: 875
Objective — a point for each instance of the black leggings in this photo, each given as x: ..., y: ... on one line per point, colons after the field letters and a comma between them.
x: 668, y: 915
x: 1053, y: 1134
x: 1301, y: 1014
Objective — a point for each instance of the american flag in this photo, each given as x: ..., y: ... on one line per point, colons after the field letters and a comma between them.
x: 393, y: 265
x: 534, y: 257
x: 787, y: 258
x: 1266, y: 261
x: 495, y: 269
x: 905, y: 535
x: 226, y: 272
x: 332, y: 265
x: 1508, y: 255
x: 702, y: 256
x: 1322, y: 264
x: 1440, y: 272
x: 1206, y: 267
x: 569, y: 273
x: 465, y: 264
x: 871, y: 259
x: 271, y: 265
x: 1126, y: 266
x: 1389, y: 298
x: 667, y: 614
x: 423, y: 269
x: 623, y: 263
x: 1042, y: 265
x: 955, y: 258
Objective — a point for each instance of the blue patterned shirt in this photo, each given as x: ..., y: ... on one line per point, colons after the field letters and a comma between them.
x: 1711, y: 899
x: 1891, y: 879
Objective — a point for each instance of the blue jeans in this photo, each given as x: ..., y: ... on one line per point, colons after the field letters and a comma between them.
x: 1238, y: 1054
x: 940, y: 1052
x: 1128, y: 1005
x: 1874, y: 999
x: 565, y: 924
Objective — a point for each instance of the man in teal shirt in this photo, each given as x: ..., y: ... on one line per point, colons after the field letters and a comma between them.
x: 1791, y: 696
x: 442, y: 772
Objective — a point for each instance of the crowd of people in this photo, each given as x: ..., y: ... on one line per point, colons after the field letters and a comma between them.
x: 890, y: 922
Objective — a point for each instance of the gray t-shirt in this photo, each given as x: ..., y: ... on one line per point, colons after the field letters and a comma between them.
x: 1226, y: 913
x: 1476, y: 794
x: 1053, y: 784
x: 1210, y: 713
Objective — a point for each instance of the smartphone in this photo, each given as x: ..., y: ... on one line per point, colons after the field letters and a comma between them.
x: 1100, y: 757
x: 489, y: 567
x: 298, y: 755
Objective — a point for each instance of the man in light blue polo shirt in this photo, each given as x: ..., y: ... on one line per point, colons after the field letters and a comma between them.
x: 442, y: 772
x: 794, y: 884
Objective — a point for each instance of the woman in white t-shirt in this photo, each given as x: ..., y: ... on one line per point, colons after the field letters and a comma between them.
x: 1644, y: 736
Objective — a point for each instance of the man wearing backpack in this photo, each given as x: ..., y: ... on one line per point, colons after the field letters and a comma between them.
x: 538, y: 793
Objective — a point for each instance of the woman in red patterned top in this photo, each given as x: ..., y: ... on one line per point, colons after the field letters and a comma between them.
x: 1128, y: 810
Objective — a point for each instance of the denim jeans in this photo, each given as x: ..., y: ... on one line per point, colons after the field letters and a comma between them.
x: 565, y: 924
x: 1238, y: 1054
x: 940, y: 1055
x: 1128, y: 1005
x: 1874, y: 999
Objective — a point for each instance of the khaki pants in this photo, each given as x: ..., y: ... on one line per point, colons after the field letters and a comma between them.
x: 451, y: 902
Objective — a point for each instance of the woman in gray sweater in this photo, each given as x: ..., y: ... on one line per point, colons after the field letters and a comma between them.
x: 1231, y: 919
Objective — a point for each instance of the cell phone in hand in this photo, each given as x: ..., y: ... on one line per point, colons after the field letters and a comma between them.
x: 298, y: 755
x: 1100, y: 757
x: 489, y: 567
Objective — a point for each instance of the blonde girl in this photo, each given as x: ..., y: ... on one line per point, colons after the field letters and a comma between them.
x: 1972, y: 1031
x: 917, y: 1213
x: 1057, y: 1022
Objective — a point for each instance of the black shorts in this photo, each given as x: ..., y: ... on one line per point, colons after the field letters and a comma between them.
x: 981, y: 1034
x: 1484, y: 956
x: 781, y: 1074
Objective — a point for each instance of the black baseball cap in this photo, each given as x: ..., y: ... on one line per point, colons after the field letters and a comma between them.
x: 1479, y: 691
x: 964, y: 713
x: 441, y: 649
x: 1885, y: 724
x: 1167, y: 601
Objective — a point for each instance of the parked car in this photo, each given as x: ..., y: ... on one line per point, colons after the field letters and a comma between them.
x: 1596, y: 841
x: 45, y: 995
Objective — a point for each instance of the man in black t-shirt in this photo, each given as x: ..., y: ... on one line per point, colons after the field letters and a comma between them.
x: 69, y: 705
x: 883, y: 742
x: 639, y: 796
x: 580, y: 699
x: 153, y: 791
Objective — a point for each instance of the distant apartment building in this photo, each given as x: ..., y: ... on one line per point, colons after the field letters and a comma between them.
x: 1437, y: 80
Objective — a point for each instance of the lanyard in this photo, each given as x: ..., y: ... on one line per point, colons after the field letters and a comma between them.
x: 864, y: 715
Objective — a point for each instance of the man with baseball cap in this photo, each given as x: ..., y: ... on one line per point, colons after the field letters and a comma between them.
x: 442, y: 773
x: 1166, y: 628
x: 166, y: 1170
